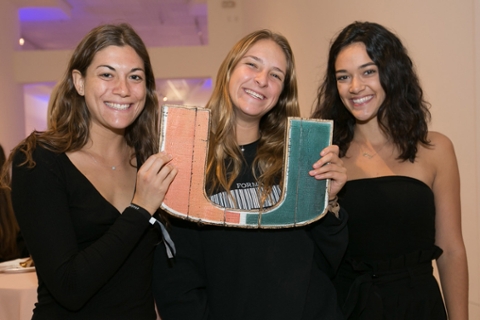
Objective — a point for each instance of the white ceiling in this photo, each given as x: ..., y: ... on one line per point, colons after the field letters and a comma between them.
x: 160, y: 23
x: 61, y: 24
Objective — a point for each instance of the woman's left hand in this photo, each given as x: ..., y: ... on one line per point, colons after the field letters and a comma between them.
x: 330, y: 166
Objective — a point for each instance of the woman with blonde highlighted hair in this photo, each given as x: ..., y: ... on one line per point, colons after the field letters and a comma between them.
x: 269, y: 159
x: 229, y: 273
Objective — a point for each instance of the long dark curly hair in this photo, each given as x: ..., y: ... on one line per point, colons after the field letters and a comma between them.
x: 404, y: 114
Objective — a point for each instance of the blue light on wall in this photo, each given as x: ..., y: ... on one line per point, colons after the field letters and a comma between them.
x: 42, y: 14
x: 207, y: 84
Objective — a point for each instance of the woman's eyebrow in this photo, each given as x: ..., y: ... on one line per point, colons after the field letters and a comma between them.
x: 260, y: 60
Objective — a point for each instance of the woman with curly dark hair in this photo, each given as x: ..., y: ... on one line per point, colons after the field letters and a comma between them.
x: 84, y: 191
x: 402, y: 193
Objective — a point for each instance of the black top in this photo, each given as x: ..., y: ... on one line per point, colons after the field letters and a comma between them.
x: 244, y: 190
x: 224, y: 273
x: 389, y: 217
x: 92, y: 262
x: 387, y: 269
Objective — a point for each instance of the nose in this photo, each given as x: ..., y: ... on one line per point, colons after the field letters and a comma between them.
x: 356, y: 85
x: 261, y: 78
x: 122, y: 88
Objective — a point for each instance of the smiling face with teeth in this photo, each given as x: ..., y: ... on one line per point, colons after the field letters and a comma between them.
x: 257, y: 80
x: 114, y: 87
x: 358, y: 82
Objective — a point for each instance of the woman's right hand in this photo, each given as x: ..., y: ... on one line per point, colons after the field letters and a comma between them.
x: 330, y: 166
x: 153, y: 180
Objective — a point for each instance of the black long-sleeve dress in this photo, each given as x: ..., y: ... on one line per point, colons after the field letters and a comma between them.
x: 92, y: 261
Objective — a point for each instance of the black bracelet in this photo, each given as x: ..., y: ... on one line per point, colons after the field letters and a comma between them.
x: 333, y: 200
x: 141, y: 210
x: 334, y: 207
x: 167, y: 240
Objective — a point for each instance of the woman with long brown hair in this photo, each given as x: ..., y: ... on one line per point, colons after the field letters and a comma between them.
x: 84, y: 191
x: 229, y: 273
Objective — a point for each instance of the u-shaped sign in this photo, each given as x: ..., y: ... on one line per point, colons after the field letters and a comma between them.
x: 185, y: 135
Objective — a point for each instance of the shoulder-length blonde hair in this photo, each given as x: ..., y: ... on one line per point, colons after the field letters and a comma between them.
x: 267, y: 167
x: 68, y: 116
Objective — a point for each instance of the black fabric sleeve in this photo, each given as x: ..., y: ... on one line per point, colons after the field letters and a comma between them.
x: 179, y: 284
x: 41, y: 204
x: 330, y: 235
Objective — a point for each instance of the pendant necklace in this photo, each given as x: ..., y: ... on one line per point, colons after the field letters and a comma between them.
x: 370, y: 156
x: 95, y: 160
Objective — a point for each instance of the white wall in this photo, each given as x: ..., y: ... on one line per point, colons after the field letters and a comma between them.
x: 11, y: 106
x: 35, y: 113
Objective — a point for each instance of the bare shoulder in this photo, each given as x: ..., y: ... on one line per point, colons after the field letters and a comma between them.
x: 440, y: 143
x: 440, y: 153
x: 437, y: 137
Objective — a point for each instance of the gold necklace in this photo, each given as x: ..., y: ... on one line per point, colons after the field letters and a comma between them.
x: 95, y: 160
x: 370, y: 156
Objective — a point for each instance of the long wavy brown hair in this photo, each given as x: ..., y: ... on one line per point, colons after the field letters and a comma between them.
x: 68, y: 116
x: 268, y: 162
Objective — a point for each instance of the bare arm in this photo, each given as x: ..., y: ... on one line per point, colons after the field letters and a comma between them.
x: 452, y: 264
